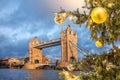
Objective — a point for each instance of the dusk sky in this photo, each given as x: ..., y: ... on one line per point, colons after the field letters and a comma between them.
x: 21, y: 20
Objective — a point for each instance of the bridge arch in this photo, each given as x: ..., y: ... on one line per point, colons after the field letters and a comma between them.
x: 36, y: 61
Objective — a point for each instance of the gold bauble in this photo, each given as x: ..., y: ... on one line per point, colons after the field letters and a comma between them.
x: 99, y: 44
x: 99, y: 15
x: 60, y: 18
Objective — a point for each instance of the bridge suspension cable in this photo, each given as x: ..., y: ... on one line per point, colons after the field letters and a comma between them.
x: 80, y: 49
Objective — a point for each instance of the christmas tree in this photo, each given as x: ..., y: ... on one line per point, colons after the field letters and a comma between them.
x: 103, y: 20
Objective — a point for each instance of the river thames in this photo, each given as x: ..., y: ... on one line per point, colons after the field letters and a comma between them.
x: 21, y: 74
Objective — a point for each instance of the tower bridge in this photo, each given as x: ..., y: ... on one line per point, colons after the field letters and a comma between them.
x: 68, y: 51
x: 69, y: 47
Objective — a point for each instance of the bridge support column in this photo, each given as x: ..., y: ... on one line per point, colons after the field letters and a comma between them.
x: 35, y: 55
x: 69, y: 52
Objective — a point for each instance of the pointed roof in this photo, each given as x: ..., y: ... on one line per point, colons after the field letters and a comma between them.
x: 69, y: 27
x: 35, y: 38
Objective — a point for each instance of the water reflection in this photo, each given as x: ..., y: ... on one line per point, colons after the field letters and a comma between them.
x: 7, y: 74
x: 43, y: 75
x: 20, y: 74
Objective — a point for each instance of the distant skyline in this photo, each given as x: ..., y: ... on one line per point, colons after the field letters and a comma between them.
x: 22, y: 20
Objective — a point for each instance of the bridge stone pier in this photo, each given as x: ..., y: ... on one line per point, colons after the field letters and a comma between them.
x: 68, y: 51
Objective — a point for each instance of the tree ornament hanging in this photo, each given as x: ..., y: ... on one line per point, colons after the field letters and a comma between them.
x: 99, y: 15
x: 60, y: 18
x: 99, y: 43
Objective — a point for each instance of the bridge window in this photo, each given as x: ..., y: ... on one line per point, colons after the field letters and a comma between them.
x: 36, y: 61
x: 72, y: 59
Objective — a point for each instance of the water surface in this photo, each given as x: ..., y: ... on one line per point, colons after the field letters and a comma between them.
x: 20, y: 74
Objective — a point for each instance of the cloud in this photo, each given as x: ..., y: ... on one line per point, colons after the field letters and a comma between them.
x: 7, y: 10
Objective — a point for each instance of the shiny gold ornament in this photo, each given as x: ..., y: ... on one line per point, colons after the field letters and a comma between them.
x: 99, y: 44
x: 60, y: 18
x: 99, y: 15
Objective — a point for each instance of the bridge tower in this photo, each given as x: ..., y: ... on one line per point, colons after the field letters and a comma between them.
x: 35, y: 55
x: 69, y: 52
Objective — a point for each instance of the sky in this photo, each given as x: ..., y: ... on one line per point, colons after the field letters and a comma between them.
x: 22, y: 20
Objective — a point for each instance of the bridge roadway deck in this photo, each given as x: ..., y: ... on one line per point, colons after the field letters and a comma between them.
x: 48, y: 44
x: 38, y: 65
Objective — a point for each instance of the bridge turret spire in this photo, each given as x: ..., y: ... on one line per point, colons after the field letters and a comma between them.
x: 69, y: 27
